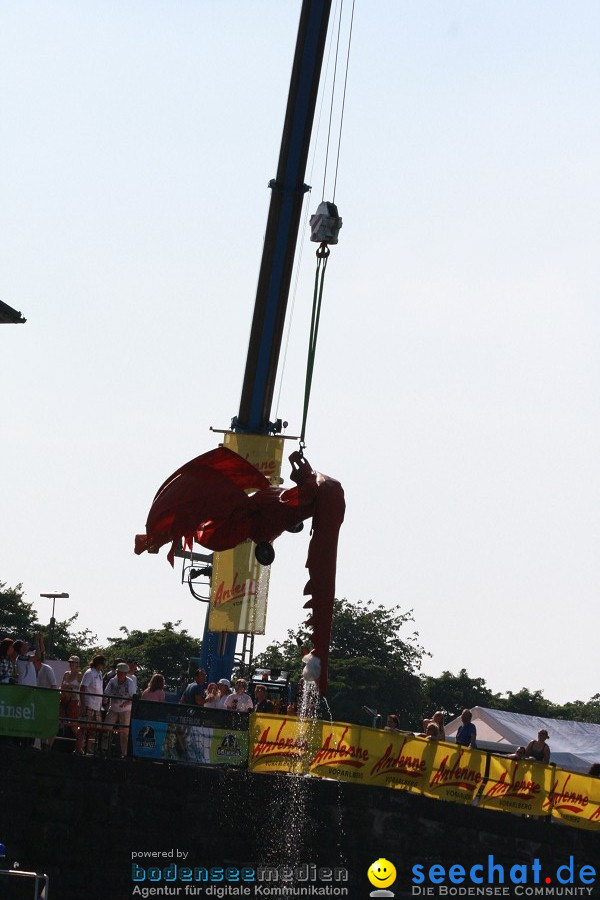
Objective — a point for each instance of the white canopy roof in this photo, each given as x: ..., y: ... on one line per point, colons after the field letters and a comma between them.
x: 573, y: 745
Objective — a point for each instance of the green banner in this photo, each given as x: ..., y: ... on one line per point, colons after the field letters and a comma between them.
x: 28, y: 711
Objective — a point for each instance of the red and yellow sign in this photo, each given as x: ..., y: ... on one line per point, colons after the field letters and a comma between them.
x: 400, y: 761
x: 405, y: 762
x: 516, y: 786
x: 455, y: 773
x: 282, y: 744
x: 574, y: 799
x: 343, y: 753
x: 240, y: 585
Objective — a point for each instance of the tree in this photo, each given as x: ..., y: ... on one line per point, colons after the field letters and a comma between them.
x: 66, y: 642
x: 17, y: 616
x: 369, y: 663
x: 166, y: 650
x: 453, y: 693
x: 526, y: 702
x: 18, y: 619
x: 579, y: 711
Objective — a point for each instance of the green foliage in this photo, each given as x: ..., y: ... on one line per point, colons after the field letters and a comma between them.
x: 67, y: 642
x: 578, y: 711
x: 528, y: 703
x: 19, y: 620
x: 370, y: 664
x: 453, y: 693
x: 17, y: 616
x: 165, y: 650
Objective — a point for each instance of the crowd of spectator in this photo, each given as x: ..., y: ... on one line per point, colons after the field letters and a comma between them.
x: 96, y: 702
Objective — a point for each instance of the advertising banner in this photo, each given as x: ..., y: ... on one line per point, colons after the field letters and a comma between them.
x: 28, y: 711
x: 574, y: 799
x: 517, y: 786
x: 190, y: 735
x: 240, y: 585
x: 399, y: 761
x: 282, y: 743
x: 343, y: 753
x: 455, y: 773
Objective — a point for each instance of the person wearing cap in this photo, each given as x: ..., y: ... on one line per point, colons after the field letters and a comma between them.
x: 539, y: 750
x: 224, y: 689
x: 120, y: 690
x: 112, y: 671
x: 193, y: 695
x: 239, y: 701
x: 69, y: 694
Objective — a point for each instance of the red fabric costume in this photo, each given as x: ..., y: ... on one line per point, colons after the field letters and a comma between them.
x: 206, y: 501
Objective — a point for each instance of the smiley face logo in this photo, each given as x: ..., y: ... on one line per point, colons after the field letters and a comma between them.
x: 382, y: 873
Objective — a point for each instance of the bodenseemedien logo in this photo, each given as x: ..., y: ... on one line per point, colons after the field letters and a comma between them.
x: 381, y: 874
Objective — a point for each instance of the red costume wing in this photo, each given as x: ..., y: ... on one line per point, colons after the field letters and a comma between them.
x: 207, y: 490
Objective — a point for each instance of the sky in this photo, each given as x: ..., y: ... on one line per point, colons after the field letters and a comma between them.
x: 457, y: 379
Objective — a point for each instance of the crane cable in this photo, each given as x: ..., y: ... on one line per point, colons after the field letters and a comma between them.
x: 322, y: 257
x: 323, y: 250
x: 305, y: 221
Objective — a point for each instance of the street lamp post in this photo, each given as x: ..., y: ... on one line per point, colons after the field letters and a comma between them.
x: 54, y: 597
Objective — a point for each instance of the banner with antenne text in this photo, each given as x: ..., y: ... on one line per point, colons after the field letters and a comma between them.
x: 240, y: 585
x: 516, y: 786
x: 574, y: 799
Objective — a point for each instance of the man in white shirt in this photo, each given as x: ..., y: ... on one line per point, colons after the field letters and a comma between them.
x: 26, y: 674
x: 90, y: 692
x: 239, y: 701
x: 45, y: 673
x: 45, y: 679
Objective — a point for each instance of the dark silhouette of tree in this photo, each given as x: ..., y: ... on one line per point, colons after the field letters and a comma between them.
x: 166, y: 650
x: 370, y: 663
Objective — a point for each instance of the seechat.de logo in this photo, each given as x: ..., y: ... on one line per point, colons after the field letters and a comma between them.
x: 493, y: 873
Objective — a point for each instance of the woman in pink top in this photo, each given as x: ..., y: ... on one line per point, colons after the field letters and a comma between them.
x: 155, y: 689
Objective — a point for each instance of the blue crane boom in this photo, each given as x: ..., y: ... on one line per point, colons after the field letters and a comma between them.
x: 288, y: 189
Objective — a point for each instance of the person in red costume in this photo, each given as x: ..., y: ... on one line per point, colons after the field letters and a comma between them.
x: 206, y: 501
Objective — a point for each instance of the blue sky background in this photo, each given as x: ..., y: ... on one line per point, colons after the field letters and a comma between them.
x: 456, y: 389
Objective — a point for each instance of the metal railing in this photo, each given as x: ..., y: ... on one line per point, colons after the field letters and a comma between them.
x: 41, y: 883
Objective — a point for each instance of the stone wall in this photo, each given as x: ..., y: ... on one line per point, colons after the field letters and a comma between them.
x: 80, y: 819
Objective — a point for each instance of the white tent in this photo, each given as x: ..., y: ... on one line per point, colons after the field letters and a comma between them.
x: 573, y: 745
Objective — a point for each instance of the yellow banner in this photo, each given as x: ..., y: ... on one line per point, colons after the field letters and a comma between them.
x: 516, y: 786
x: 455, y: 773
x: 574, y: 799
x: 343, y: 753
x: 399, y: 761
x: 360, y: 755
x: 282, y: 743
x: 240, y: 585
